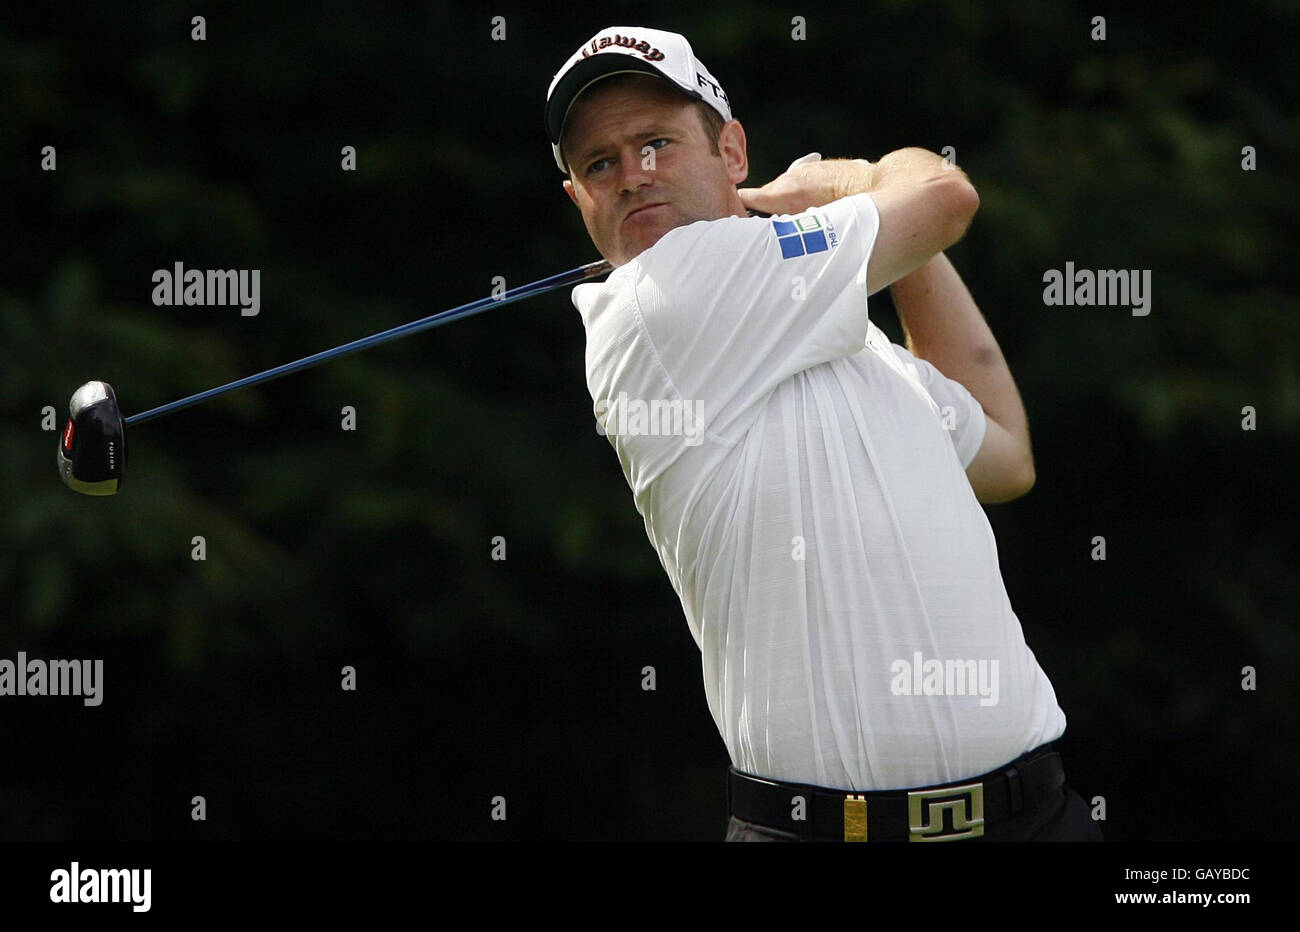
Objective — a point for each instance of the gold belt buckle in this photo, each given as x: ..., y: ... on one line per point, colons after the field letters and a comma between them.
x: 925, y: 809
x: 855, y: 817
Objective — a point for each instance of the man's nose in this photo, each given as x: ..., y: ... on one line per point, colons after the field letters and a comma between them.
x: 633, y: 172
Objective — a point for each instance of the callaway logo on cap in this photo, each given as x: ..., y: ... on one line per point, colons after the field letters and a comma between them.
x: 620, y: 49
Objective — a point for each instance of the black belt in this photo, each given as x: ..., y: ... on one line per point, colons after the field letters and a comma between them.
x: 949, y: 812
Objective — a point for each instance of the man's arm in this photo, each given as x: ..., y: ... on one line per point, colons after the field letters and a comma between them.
x: 924, y: 205
x: 943, y: 326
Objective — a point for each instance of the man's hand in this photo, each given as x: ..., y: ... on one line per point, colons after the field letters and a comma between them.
x: 808, y: 182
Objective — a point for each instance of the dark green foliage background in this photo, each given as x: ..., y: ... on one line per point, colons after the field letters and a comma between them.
x: 371, y: 548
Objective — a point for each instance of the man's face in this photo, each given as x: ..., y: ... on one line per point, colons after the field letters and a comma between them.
x: 627, y: 201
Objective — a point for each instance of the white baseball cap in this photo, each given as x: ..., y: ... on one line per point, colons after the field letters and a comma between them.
x: 621, y: 49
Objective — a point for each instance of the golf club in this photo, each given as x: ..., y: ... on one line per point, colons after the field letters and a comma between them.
x: 92, y: 447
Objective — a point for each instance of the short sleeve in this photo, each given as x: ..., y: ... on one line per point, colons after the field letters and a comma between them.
x: 734, y: 307
x: 959, y: 410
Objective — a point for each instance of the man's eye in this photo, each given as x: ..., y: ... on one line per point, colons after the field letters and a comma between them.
x: 601, y: 164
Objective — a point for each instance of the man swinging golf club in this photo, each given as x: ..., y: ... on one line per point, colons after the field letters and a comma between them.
x: 822, y: 526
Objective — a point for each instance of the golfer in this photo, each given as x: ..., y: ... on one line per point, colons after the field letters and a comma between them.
x: 812, y: 490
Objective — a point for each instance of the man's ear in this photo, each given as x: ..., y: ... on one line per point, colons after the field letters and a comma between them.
x: 568, y: 189
x: 734, y: 151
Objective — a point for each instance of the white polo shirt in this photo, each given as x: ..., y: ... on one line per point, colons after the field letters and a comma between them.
x: 802, y: 480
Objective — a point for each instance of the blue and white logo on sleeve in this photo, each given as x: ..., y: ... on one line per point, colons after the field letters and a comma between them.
x: 800, y: 236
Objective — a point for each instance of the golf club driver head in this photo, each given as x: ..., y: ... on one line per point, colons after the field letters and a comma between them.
x: 92, y: 447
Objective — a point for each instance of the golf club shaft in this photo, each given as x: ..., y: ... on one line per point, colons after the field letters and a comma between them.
x: 542, y: 286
